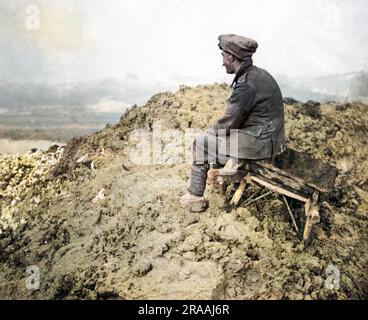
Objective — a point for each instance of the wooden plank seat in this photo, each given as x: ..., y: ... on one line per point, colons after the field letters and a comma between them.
x: 292, y: 174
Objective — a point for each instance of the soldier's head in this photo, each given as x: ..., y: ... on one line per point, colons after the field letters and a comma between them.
x: 236, y: 50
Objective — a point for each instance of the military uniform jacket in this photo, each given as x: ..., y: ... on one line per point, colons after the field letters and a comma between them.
x: 253, y: 125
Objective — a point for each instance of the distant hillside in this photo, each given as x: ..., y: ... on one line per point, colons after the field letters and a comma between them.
x: 62, y: 111
x: 346, y: 87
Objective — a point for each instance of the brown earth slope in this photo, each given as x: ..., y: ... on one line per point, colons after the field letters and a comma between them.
x: 133, y: 240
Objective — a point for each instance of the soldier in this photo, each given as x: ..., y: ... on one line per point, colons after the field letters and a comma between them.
x: 252, y: 126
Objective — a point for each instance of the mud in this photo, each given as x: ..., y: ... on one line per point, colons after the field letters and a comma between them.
x: 99, y: 226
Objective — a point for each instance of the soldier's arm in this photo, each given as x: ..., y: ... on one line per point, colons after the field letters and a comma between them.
x: 239, y: 106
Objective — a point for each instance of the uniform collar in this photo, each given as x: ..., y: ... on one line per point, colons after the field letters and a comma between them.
x: 243, y: 69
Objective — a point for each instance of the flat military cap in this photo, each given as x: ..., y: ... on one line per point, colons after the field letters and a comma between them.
x: 241, y: 47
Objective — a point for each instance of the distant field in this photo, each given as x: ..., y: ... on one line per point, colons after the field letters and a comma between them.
x: 53, y: 124
x: 58, y: 134
x: 8, y: 146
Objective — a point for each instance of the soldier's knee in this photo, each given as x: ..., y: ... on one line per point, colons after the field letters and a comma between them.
x: 199, y: 148
x: 200, y: 142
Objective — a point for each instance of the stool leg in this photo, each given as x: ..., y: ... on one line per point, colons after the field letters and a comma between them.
x: 238, y: 193
x: 312, y: 214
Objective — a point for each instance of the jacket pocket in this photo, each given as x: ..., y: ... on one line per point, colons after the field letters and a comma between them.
x: 255, y: 131
x: 247, y: 146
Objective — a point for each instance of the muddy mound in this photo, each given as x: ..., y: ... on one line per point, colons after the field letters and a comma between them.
x: 97, y: 225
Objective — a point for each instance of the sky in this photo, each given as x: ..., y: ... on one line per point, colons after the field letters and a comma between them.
x: 174, y: 42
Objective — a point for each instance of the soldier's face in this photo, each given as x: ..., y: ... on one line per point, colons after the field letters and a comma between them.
x: 228, y: 62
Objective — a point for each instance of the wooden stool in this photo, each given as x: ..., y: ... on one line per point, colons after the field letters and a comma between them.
x: 292, y: 174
